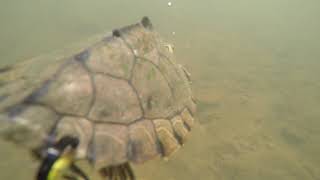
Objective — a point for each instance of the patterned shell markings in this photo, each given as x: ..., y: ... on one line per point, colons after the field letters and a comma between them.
x: 124, y: 97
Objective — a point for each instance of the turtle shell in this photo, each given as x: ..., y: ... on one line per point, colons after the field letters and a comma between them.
x: 122, y: 95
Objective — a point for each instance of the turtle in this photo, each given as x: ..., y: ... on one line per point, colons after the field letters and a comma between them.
x: 121, y: 94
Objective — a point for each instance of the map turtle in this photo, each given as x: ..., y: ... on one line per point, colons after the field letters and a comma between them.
x: 122, y: 95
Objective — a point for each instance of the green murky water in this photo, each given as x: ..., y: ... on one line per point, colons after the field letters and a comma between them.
x: 255, y: 69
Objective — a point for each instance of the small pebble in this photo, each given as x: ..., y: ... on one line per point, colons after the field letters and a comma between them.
x: 169, y: 4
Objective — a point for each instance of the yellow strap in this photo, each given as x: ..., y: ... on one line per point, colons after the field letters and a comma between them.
x: 59, y: 167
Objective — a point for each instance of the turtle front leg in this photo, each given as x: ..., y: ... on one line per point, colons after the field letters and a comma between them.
x: 120, y: 172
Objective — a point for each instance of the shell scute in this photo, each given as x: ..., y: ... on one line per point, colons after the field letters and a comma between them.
x: 180, y: 129
x: 143, y: 141
x: 153, y: 90
x: 180, y: 89
x: 110, y: 144
x: 70, y: 92
x: 142, y: 42
x: 187, y: 118
x: 115, y: 101
x: 77, y: 127
x: 166, y: 136
x: 111, y: 56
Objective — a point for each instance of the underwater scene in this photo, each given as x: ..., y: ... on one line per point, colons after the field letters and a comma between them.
x: 254, y: 67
